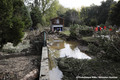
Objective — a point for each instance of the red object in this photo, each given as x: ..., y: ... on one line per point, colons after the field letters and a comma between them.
x: 96, y: 28
x: 100, y: 28
x: 104, y: 27
x: 110, y: 29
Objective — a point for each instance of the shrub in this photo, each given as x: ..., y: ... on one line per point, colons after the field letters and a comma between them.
x: 113, y: 50
x: 102, y: 25
x: 73, y: 30
x: 93, y: 49
x: 109, y: 49
x: 86, y: 32
x: 78, y: 30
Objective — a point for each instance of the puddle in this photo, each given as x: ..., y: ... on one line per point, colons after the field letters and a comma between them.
x: 60, y: 48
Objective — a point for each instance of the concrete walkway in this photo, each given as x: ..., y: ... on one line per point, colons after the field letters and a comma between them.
x: 44, y: 71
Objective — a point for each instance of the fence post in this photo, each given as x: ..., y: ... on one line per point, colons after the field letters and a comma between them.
x: 44, y: 38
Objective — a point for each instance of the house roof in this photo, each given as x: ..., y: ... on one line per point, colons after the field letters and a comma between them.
x: 57, y: 18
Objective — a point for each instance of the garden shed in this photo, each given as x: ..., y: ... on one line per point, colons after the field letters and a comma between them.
x: 57, y: 24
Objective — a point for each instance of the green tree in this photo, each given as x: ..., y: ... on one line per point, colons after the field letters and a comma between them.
x: 51, y: 12
x: 88, y: 15
x: 93, y: 22
x: 13, y: 20
x: 35, y: 16
x: 21, y: 20
x: 100, y: 13
x: 104, y: 11
x: 43, y: 10
x: 16, y: 32
x: 71, y: 17
x: 6, y: 10
x: 61, y: 11
x: 21, y: 10
x: 114, y: 14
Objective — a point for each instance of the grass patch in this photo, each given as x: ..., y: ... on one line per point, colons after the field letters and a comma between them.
x: 66, y: 32
x: 89, y: 39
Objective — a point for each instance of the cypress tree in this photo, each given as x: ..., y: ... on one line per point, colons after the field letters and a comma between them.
x: 14, y: 19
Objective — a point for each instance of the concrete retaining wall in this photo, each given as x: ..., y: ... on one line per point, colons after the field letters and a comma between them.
x: 44, y: 70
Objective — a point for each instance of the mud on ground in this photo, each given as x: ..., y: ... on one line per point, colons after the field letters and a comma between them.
x: 15, y: 66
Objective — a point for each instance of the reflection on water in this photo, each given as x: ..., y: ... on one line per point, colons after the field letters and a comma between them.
x: 60, y: 48
x: 68, y: 49
x: 57, y: 44
x: 75, y: 53
x: 55, y: 74
x: 72, y: 44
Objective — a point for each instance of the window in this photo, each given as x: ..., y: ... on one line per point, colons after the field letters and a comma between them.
x: 57, y: 21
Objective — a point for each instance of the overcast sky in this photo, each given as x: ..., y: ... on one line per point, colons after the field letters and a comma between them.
x: 78, y: 3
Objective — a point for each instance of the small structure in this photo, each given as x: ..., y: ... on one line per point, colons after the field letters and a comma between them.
x: 57, y: 24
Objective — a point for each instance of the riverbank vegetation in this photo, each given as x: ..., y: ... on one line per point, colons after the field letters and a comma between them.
x: 73, y: 68
x: 104, y: 49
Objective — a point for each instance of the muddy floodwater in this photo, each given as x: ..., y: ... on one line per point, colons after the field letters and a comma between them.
x: 59, y: 48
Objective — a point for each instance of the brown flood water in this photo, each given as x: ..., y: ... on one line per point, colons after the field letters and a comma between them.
x: 59, y: 48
